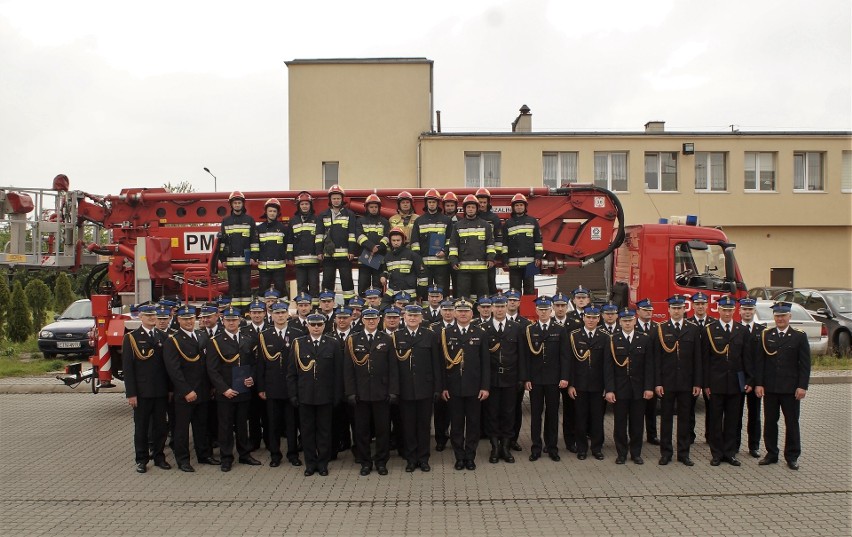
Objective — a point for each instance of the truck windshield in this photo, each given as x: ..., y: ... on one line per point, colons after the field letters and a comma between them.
x: 700, y: 268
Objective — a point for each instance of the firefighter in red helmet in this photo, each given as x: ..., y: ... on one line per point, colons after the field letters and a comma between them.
x: 238, y: 245
x: 405, y: 215
x: 429, y: 239
x: 336, y: 233
x: 274, y: 237
x: 483, y: 197
x: 472, y: 251
x: 303, y: 249
x: 371, y: 232
x: 522, y: 246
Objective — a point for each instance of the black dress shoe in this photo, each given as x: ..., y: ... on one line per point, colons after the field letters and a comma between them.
x: 226, y: 467
x: 754, y: 453
x: 767, y: 460
x: 309, y: 472
x: 715, y: 462
x: 598, y: 455
x: 275, y: 463
x: 581, y: 456
x: 470, y: 465
x: 653, y: 440
x: 638, y: 460
x: 141, y: 468
x: 210, y: 460
x: 620, y: 460
x: 554, y: 456
x: 459, y: 465
x: 515, y: 446
x: 323, y: 472
x: 295, y: 461
x: 534, y: 456
x: 410, y: 467
x: 424, y: 467
x: 382, y: 470
x: 440, y: 446
x: 733, y: 461
x: 163, y: 465
x: 686, y: 460
x: 365, y: 470
x: 186, y: 467
x: 251, y: 461
x: 793, y: 465
x: 572, y: 447
x: 664, y: 461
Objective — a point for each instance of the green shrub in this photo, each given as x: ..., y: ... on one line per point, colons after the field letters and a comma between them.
x: 19, y: 325
x: 63, y: 293
x: 5, y: 300
x: 40, y: 299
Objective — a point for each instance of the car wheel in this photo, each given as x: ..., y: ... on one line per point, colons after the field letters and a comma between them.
x: 49, y: 355
x: 843, y: 343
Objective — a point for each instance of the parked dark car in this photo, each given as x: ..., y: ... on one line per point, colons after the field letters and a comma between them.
x: 69, y: 333
x: 832, y: 306
x: 765, y: 293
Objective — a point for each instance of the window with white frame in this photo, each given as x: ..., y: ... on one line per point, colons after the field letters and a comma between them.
x: 846, y: 172
x: 759, y: 171
x: 710, y: 171
x: 330, y: 174
x: 611, y: 170
x: 808, y: 172
x: 559, y: 168
x: 482, y: 169
x: 661, y: 172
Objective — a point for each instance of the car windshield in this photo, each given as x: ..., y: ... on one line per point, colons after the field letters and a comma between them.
x: 841, y: 301
x: 700, y: 268
x: 78, y: 310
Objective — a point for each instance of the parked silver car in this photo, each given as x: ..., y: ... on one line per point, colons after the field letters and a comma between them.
x: 800, y: 319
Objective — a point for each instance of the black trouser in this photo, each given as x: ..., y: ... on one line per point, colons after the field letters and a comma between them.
x: 281, y: 416
x: 651, y: 417
x: 773, y: 404
x: 519, y: 280
x: 707, y: 410
x: 257, y: 421
x: 726, y: 415
x: 307, y: 280
x: 544, y: 399
x: 471, y: 282
x: 315, y: 421
x: 341, y: 432
x: 442, y: 422
x: 680, y: 402
x: 519, y: 413
x: 272, y: 277
x: 379, y: 412
x: 464, y: 420
x: 568, y: 415
x: 437, y: 275
x: 194, y: 415
x: 170, y: 422
x: 239, y: 285
x: 589, y: 421
x: 501, y: 412
x: 150, y: 412
x: 753, y: 424
x: 233, y: 417
x: 492, y: 281
x: 213, y: 423
x: 368, y: 277
x: 416, y: 417
x: 629, y: 415
x: 329, y: 269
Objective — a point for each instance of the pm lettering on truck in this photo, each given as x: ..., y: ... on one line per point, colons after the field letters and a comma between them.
x: 198, y: 243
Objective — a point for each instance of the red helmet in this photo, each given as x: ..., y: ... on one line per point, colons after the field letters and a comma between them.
x: 373, y: 198
x: 272, y: 202
x: 519, y: 198
x: 396, y: 231
x: 449, y: 196
x: 335, y: 189
x: 470, y: 198
x: 304, y: 196
x: 483, y: 192
x: 432, y: 194
x: 404, y: 195
x: 236, y: 195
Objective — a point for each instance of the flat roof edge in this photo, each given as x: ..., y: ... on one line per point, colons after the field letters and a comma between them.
x: 332, y: 61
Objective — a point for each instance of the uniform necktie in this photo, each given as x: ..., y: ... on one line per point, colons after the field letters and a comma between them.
x: 677, y: 326
x: 316, y: 345
x: 727, y: 328
x: 544, y: 327
x: 645, y: 328
x: 464, y: 331
x: 629, y: 339
x: 413, y: 334
x: 281, y: 334
x: 589, y: 335
x: 342, y: 335
x: 500, y: 329
x: 370, y: 339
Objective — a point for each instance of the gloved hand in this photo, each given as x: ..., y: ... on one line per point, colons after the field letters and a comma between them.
x: 294, y: 401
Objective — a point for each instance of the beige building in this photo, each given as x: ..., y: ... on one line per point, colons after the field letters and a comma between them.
x: 785, y: 198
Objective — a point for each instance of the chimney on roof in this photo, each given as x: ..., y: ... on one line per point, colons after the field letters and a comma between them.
x: 523, y: 123
x: 655, y: 126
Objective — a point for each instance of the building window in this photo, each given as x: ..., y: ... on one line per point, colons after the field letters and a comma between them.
x: 559, y: 168
x: 759, y: 172
x: 807, y: 172
x: 846, y: 172
x: 330, y: 175
x: 482, y: 169
x: 710, y: 172
x: 661, y: 172
x: 611, y: 171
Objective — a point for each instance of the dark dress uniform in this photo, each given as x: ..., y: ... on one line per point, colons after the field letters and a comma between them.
x: 431, y: 316
x: 146, y: 379
x: 700, y: 323
x: 519, y: 395
x: 315, y: 385
x: 343, y: 415
x: 507, y: 369
x: 258, y: 427
x: 273, y: 353
x: 224, y: 352
x: 441, y: 413
x: 547, y: 363
x: 187, y: 368
x: 724, y: 354
x: 783, y: 365
x: 419, y: 371
x: 568, y: 411
x: 586, y: 375
x: 629, y: 372
x: 466, y: 371
x: 677, y: 352
x: 370, y: 381
x: 649, y: 328
x: 751, y: 401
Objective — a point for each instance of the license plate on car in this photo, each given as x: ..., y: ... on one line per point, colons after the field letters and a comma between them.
x: 68, y: 345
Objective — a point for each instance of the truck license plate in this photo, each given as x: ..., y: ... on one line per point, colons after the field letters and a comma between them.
x: 67, y: 344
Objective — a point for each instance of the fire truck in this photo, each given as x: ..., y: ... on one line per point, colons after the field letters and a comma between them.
x: 146, y: 243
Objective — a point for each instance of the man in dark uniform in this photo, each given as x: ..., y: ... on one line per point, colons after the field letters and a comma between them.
x: 357, y: 306
x: 546, y: 353
x: 187, y: 368
x: 416, y: 348
x: 273, y: 353
x: 343, y: 415
x: 371, y: 385
x: 513, y: 304
x: 560, y: 317
x: 629, y: 381
x: 783, y: 369
x: 304, y: 303
x: 230, y: 364
x: 442, y: 416
x: 315, y: 385
x: 726, y: 349
x: 466, y: 381
x: 700, y: 319
x: 647, y: 325
x: 146, y: 386
x: 238, y: 246
x: 678, y: 378
x: 609, y: 312
x: 505, y: 339
x: 210, y: 325
x: 257, y: 409
x: 747, y: 308
x: 586, y: 376
x: 432, y: 312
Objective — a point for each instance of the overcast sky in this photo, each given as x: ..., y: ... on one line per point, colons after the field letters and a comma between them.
x: 118, y: 94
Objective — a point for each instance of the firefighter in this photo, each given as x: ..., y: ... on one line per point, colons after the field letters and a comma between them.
x: 483, y: 197
x: 646, y: 325
x: 405, y: 216
x: 343, y: 417
x: 371, y: 232
x: 429, y: 239
x: 701, y: 319
x: 146, y: 385
x: 560, y: 317
x: 238, y: 246
x: 306, y: 247
x: 588, y: 347
x: 522, y: 245
x: 403, y: 268
x: 336, y: 232
x: 432, y: 311
x: 472, y: 251
x: 258, y: 427
x: 450, y: 204
x: 513, y: 304
x: 747, y: 310
x: 441, y: 414
x: 373, y: 298
x: 274, y: 237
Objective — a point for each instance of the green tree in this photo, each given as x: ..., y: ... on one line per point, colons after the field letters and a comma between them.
x: 5, y: 300
x: 181, y: 187
x: 63, y: 293
x: 19, y: 325
x: 40, y: 300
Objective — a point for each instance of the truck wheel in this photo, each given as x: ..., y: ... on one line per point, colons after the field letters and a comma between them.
x: 843, y: 343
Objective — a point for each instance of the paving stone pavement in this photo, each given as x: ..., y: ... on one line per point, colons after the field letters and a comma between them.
x: 66, y: 468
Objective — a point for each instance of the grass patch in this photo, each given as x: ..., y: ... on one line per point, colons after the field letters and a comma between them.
x: 826, y: 362
x: 28, y: 366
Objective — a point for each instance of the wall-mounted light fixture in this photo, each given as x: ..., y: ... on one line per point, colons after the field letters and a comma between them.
x: 688, y: 148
